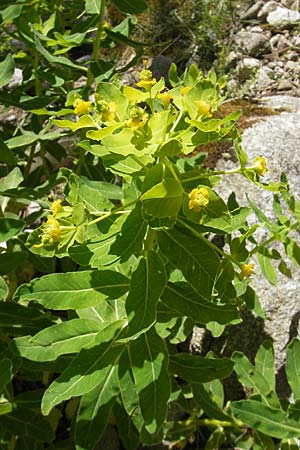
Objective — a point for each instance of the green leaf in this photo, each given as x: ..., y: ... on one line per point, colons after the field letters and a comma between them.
x: 197, y: 261
x: 94, y: 411
x: 204, y: 400
x: 76, y: 290
x: 149, y: 361
x: 84, y: 121
x: 5, y: 408
x: 164, y: 199
x: 130, y: 239
x: 88, y: 369
x: 270, y: 421
x: 11, y: 181
x: 10, y: 228
x: 251, y: 377
x: 6, y: 373
x: 293, y: 367
x: 93, y: 6
x: 6, y: 155
x: 130, y: 7
x: 267, y: 269
x: 19, y: 422
x: 6, y: 70
x: 3, y: 289
x: 59, y: 339
x: 147, y: 284
x: 264, y: 363
x: 19, y: 320
x: 198, y: 369
x: 183, y: 299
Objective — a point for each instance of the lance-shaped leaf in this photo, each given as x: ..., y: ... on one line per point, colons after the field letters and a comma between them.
x: 149, y: 361
x: 197, y: 261
x: 251, y: 377
x: 19, y: 320
x: 7, y: 70
x: 60, y: 339
x: 136, y: 7
x: 270, y: 421
x: 198, y: 369
x: 183, y: 299
x: 20, y: 422
x: 293, y: 367
x: 128, y: 390
x: 93, y: 6
x: 264, y: 363
x: 76, y: 290
x: 147, y: 284
x: 6, y: 373
x: 130, y: 239
x: 164, y: 199
x: 89, y: 368
x: 94, y: 410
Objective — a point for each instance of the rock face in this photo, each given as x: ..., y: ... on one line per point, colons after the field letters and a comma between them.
x: 277, y: 138
x: 264, y: 56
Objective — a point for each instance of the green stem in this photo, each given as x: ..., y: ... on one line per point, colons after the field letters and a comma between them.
x: 80, y: 161
x: 263, y: 244
x: 29, y: 162
x: 210, y: 174
x: 38, y: 84
x: 121, y: 209
x: 220, y: 423
x: 95, y: 54
x: 150, y: 240
x: 12, y: 443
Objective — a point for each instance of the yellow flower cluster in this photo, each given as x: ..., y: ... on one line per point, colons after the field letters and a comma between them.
x: 185, y: 90
x: 246, y: 270
x: 165, y: 97
x: 146, y: 80
x: 204, y: 108
x: 260, y: 166
x: 81, y: 107
x: 199, y: 198
x: 51, y: 233
x: 107, y: 110
x: 138, y: 118
x: 56, y: 207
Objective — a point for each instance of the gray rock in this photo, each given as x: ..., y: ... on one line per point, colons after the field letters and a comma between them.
x: 252, y: 12
x: 286, y: 103
x: 282, y: 18
x: 266, y: 9
x: 247, y: 68
x: 285, y: 85
x: 253, y: 44
x: 17, y: 78
x: 263, y: 79
x: 277, y: 138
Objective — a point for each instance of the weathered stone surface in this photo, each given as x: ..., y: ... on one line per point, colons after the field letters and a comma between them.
x: 247, y: 68
x: 252, y: 12
x: 285, y: 85
x: 266, y: 9
x: 282, y: 18
x: 252, y: 43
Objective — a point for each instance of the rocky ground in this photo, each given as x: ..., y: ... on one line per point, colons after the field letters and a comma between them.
x: 264, y: 62
x: 264, y: 52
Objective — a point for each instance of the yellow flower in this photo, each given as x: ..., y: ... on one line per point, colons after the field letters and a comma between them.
x: 138, y: 118
x: 204, y: 108
x: 51, y: 232
x: 260, y: 166
x: 165, y: 97
x: 146, y: 80
x: 185, y: 90
x: 56, y: 207
x: 199, y: 198
x: 246, y: 270
x: 109, y: 113
x: 81, y: 107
